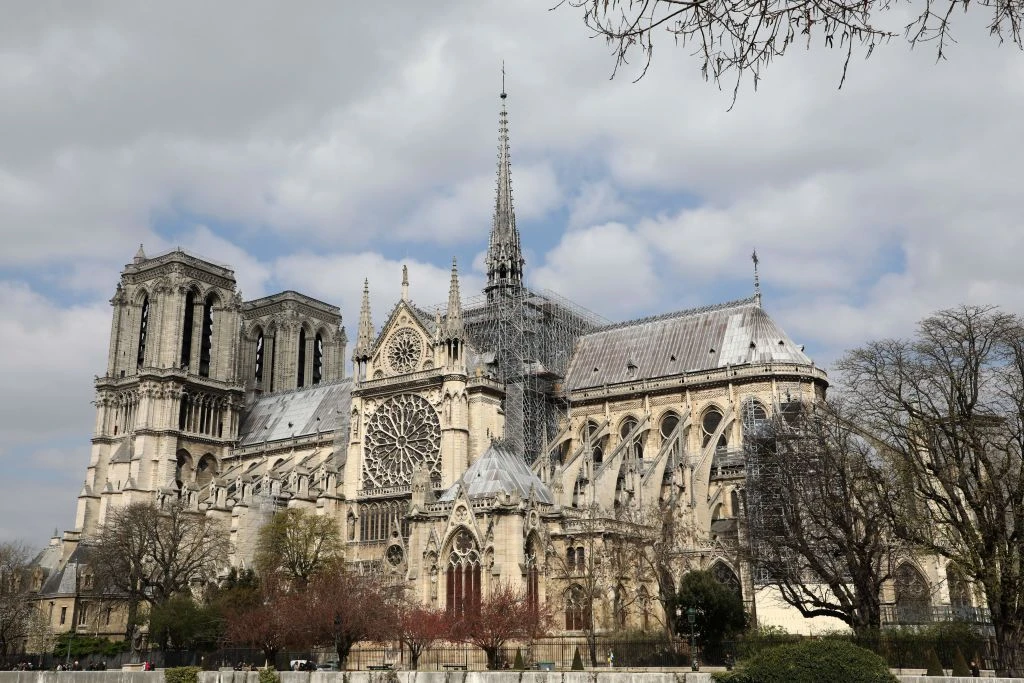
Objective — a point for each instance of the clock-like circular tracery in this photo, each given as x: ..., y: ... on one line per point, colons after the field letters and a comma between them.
x: 403, y: 433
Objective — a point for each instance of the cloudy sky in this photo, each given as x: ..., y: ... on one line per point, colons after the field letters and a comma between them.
x: 311, y: 145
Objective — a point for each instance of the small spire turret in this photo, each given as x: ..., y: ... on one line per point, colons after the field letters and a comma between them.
x: 364, y: 337
x: 454, y: 328
x: 140, y: 255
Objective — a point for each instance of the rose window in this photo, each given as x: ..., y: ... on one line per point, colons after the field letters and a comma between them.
x: 404, y: 350
x: 402, y: 434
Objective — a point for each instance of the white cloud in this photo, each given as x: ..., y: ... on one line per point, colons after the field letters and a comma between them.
x: 606, y: 268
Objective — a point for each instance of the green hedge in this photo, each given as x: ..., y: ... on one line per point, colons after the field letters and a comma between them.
x: 269, y: 675
x: 182, y: 674
x: 811, y: 661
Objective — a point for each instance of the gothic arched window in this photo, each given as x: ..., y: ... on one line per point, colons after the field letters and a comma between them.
x: 727, y: 577
x: 187, y: 324
x: 625, y: 429
x: 668, y: 424
x: 959, y: 589
x: 532, y: 574
x: 619, y: 607
x: 463, y: 576
x: 577, y: 609
x: 318, y: 358
x: 258, y: 370
x: 590, y: 431
x: 143, y: 326
x: 205, y: 470
x: 913, y: 600
x: 206, y: 339
x: 301, y: 382
x: 183, y: 467
x: 709, y: 425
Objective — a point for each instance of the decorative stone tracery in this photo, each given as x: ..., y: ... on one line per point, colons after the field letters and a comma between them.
x: 402, y: 434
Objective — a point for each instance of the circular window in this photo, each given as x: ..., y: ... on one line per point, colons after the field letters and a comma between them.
x: 395, y: 555
x: 404, y: 350
x: 402, y: 434
x: 628, y: 425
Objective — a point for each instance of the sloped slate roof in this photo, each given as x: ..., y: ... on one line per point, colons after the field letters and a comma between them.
x: 329, y: 402
x: 500, y: 470
x: 734, y: 333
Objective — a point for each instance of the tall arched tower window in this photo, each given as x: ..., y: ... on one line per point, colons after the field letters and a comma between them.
x: 186, y: 329
x: 532, y: 575
x: 206, y: 340
x: 318, y: 359
x: 258, y: 369
x: 143, y: 325
x: 302, y: 358
x: 463, y: 589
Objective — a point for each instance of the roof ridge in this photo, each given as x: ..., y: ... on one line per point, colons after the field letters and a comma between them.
x: 682, y: 313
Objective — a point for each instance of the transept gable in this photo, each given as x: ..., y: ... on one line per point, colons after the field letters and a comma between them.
x: 405, y: 343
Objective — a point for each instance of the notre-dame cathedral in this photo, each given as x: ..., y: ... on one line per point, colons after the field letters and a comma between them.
x: 499, y: 438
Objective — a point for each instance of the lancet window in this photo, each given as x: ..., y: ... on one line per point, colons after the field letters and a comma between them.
x: 258, y: 369
x: 463, y: 575
x: 709, y: 424
x: 625, y: 429
x: 318, y: 359
x: 206, y: 339
x: 302, y: 358
x: 377, y: 520
x: 532, y: 574
x: 577, y: 609
x: 143, y: 330
x: 913, y: 601
x: 204, y: 414
x: 186, y: 329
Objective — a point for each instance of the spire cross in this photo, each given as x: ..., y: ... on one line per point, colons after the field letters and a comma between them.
x: 503, y: 95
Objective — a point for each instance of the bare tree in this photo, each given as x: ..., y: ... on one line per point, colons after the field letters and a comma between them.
x: 15, y: 609
x: 144, y: 554
x: 816, y: 494
x: 735, y: 38
x: 948, y: 407
x: 296, y: 544
x: 503, y: 615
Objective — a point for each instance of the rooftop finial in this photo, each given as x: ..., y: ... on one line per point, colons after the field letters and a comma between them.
x: 405, y: 282
x: 140, y: 255
x: 503, y: 93
x: 757, y: 280
x: 453, y: 317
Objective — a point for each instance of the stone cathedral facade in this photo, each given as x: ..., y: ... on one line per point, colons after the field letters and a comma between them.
x: 242, y: 408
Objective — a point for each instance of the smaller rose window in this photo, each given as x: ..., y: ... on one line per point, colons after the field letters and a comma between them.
x: 404, y: 350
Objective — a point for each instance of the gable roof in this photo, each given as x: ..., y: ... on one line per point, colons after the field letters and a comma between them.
x: 734, y: 333
x: 500, y: 470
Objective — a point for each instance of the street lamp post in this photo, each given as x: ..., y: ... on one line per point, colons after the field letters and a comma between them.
x: 691, y: 614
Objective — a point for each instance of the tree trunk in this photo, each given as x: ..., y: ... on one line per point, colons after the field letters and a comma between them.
x: 1008, y: 645
x: 492, y: 657
x: 343, y: 648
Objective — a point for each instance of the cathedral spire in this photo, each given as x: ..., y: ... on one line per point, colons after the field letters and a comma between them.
x: 453, y: 318
x: 364, y: 337
x: 504, y: 255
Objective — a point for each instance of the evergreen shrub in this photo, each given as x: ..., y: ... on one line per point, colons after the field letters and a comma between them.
x: 811, y: 661
x: 518, y: 664
x: 960, y: 667
x: 934, y: 665
x: 182, y: 674
x: 269, y: 675
x: 577, y: 661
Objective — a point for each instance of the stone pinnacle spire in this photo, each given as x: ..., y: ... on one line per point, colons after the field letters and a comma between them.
x: 453, y: 318
x: 364, y: 337
x: 140, y: 255
x: 504, y: 254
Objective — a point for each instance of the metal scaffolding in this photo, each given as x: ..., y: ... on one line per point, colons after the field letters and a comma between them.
x: 528, y: 337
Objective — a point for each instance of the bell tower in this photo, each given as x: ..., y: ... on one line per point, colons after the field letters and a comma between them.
x: 167, y: 409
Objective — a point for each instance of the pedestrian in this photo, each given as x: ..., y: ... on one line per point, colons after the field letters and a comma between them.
x: 975, y: 670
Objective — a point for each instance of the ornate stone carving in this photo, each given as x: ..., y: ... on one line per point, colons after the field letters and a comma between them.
x: 402, y: 434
